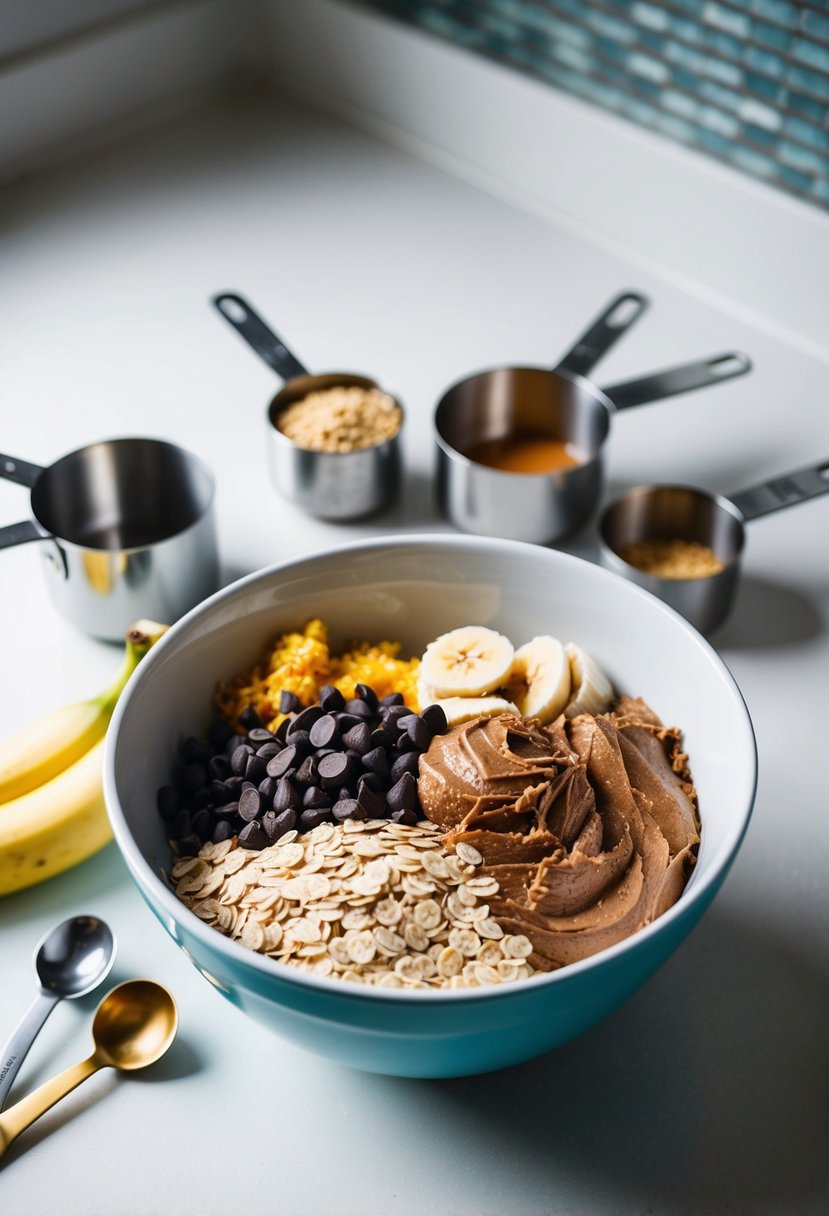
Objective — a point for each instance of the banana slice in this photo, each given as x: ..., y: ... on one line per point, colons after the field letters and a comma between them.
x: 467, y: 662
x: 425, y: 694
x: 592, y: 692
x: 464, y: 709
x: 540, y: 681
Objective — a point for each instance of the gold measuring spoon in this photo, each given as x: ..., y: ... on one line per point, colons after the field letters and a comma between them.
x: 133, y: 1027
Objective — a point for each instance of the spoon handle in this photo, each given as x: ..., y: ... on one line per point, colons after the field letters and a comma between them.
x: 15, y: 1050
x: 23, y: 1114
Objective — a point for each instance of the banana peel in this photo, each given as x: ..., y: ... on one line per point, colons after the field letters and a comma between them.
x: 58, y: 818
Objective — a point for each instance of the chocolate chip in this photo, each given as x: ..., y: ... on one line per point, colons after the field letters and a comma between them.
x: 181, y: 825
x: 435, y: 719
x: 376, y: 761
x: 281, y: 732
x: 239, y: 759
x: 268, y: 750
x: 312, y: 817
x: 364, y: 693
x: 301, y: 740
x: 418, y: 732
x: 315, y: 796
x: 324, y: 731
x: 259, y: 735
x: 267, y: 789
x: 286, y: 821
x: 334, y: 769
x: 371, y: 802
x: 230, y: 810
x: 270, y: 825
x: 199, y: 799
x: 331, y: 699
x: 252, y: 836
x: 396, y: 712
x: 168, y: 801
x: 393, y: 698
x: 345, y: 808
x: 222, y: 830
x: 403, y: 794
x: 256, y: 769
x: 250, y: 803
x: 346, y: 721
x: 189, y: 845
x: 286, y: 796
x: 279, y: 765
x: 289, y: 702
x: 406, y: 762
x: 233, y: 742
x: 304, y: 720
x: 407, y: 817
x: 358, y: 739
x: 203, y: 825
x: 250, y: 718
x: 307, y: 772
x: 359, y: 709
x: 218, y: 768
x: 374, y: 780
x: 380, y: 737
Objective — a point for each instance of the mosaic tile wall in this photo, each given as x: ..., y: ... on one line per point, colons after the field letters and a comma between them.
x: 745, y: 81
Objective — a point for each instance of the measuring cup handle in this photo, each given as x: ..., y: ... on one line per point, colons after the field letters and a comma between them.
x: 596, y: 341
x: 21, y: 471
x: 258, y: 335
x: 678, y: 380
x: 787, y: 491
x: 21, y: 534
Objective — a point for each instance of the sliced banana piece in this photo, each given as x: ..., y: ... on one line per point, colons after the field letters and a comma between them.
x: 467, y: 662
x: 425, y: 694
x: 464, y: 709
x: 591, y: 692
x: 540, y: 681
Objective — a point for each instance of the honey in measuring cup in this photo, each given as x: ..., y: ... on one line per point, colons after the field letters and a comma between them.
x: 525, y: 452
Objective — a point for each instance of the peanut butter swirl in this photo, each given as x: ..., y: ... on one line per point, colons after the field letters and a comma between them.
x: 589, y: 825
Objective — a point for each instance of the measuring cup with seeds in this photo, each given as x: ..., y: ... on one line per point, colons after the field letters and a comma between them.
x: 373, y: 902
x: 333, y: 439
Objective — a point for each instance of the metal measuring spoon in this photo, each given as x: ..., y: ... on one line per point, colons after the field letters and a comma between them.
x: 70, y: 961
x: 133, y: 1027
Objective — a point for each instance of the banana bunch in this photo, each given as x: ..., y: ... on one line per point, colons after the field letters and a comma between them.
x: 52, y: 812
x: 474, y: 672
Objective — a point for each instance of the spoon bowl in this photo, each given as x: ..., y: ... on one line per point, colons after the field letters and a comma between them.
x: 75, y: 957
x: 134, y: 1025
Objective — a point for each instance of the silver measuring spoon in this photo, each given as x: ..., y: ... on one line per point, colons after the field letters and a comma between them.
x: 70, y: 961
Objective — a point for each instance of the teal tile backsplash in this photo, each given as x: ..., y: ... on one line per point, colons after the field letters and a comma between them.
x: 745, y: 81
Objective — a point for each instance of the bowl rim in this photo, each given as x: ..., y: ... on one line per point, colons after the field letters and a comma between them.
x: 161, y: 896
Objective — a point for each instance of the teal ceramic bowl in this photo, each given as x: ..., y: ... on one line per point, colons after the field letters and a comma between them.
x: 412, y: 589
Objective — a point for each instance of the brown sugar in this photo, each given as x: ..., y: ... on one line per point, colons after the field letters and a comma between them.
x: 674, y: 558
x: 344, y: 418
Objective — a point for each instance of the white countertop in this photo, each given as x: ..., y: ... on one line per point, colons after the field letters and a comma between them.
x: 706, y: 1092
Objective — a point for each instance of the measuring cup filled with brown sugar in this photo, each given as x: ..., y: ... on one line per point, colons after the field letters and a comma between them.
x: 520, y: 448
x: 333, y: 439
x: 685, y: 545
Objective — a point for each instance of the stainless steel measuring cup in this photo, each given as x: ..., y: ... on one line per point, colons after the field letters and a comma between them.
x: 128, y: 528
x: 330, y: 485
x: 684, y: 513
x: 557, y: 404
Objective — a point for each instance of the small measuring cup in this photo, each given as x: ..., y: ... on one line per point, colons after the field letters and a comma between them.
x: 676, y: 512
x: 330, y: 485
x: 561, y: 404
x: 129, y: 532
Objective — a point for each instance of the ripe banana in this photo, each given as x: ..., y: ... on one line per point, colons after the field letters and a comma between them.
x: 592, y: 692
x: 63, y: 820
x: 539, y: 683
x: 467, y: 662
x: 464, y: 709
x: 42, y: 750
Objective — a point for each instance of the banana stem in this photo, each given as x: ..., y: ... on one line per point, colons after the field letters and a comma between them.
x: 138, y: 639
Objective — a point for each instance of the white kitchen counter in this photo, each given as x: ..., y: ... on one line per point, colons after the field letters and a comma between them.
x: 706, y: 1093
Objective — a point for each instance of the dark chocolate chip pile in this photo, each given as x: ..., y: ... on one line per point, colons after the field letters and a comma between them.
x: 333, y: 761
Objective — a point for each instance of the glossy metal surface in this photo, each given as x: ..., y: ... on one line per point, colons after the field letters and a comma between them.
x: 686, y: 513
x: 558, y: 404
x: 134, y: 1026
x: 329, y: 485
x: 332, y: 485
x: 70, y: 961
x: 130, y: 532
